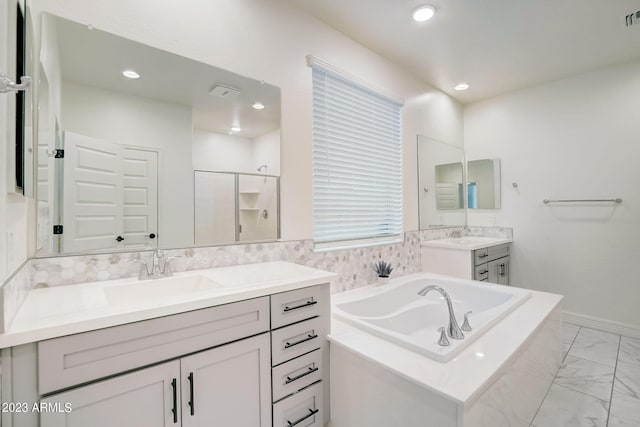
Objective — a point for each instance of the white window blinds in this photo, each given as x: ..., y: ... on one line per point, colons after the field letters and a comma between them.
x: 357, y: 163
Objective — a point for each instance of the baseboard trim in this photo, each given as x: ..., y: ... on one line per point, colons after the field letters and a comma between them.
x: 600, y: 324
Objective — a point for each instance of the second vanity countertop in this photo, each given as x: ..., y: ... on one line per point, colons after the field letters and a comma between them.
x: 467, y: 243
x: 64, y: 310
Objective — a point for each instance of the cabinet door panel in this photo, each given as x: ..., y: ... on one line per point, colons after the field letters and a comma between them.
x: 499, y: 271
x: 503, y: 271
x: 231, y: 385
x: 143, y: 398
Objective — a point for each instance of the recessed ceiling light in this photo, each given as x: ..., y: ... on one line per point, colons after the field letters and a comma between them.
x: 236, y: 129
x: 461, y: 86
x: 258, y: 106
x: 130, y: 74
x: 423, y: 13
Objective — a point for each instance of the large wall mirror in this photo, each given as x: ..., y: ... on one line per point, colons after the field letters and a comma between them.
x: 440, y: 184
x: 452, y: 181
x: 139, y: 148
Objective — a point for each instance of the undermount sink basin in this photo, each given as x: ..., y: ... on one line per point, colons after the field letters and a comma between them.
x: 154, y: 289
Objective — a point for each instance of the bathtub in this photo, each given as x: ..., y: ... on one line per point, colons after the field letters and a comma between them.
x: 396, y: 313
x: 387, y: 369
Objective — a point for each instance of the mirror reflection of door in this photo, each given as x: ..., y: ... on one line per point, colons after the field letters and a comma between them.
x: 110, y: 195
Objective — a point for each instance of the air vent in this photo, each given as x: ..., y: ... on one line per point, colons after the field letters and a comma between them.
x: 227, y: 92
x: 632, y: 18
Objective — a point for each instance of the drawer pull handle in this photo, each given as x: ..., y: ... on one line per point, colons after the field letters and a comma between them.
x: 302, y: 375
x: 307, y: 304
x: 308, y: 338
x: 311, y: 413
x: 483, y: 255
x: 192, y: 404
x: 174, y: 410
x: 483, y: 271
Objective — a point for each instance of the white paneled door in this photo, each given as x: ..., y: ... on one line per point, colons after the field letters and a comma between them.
x: 140, y: 190
x: 110, y: 195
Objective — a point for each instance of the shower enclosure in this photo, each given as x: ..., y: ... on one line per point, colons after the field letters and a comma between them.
x: 235, y: 207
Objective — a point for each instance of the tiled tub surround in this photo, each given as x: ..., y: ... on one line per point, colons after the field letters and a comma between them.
x: 353, y: 266
x: 598, y: 384
x: 497, y: 381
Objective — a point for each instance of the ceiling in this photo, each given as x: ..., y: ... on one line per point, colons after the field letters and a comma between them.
x: 97, y: 58
x: 496, y: 46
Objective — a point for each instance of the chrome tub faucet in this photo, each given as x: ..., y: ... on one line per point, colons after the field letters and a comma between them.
x: 453, y: 330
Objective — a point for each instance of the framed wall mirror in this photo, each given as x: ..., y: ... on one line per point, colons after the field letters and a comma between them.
x: 440, y: 184
x: 20, y: 156
x: 139, y: 148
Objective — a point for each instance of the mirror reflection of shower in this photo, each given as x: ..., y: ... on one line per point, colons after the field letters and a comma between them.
x: 265, y: 171
x: 235, y: 207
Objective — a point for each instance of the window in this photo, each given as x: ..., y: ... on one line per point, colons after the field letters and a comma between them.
x: 357, y: 163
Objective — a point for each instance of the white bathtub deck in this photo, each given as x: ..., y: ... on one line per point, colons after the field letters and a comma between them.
x: 470, y: 373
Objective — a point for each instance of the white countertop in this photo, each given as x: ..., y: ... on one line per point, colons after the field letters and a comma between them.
x: 64, y: 310
x: 466, y: 376
x: 467, y: 243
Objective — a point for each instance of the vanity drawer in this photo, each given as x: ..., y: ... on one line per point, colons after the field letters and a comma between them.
x: 298, y: 339
x: 303, y: 409
x: 499, y: 251
x: 77, y: 359
x: 296, y: 374
x: 481, y: 256
x: 481, y: 272
x: 294, y: 306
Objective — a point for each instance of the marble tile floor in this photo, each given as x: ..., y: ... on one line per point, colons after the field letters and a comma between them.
x: 598, y: 384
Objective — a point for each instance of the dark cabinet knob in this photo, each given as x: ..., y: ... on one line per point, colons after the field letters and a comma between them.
x: 119, y: 239
x: 152, y: 236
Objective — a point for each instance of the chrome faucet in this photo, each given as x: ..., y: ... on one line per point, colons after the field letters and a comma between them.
x: 453, y: 330
x: 160, y: 266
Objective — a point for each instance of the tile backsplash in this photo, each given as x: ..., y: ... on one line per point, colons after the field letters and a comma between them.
x: 354, y: 267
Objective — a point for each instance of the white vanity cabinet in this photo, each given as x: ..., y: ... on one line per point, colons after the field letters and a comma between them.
x: 228, y: 385
x: 300, y: 321
x: 473, y: 262
x: 225, y: 385
x: 144, y: 398
x: 235, y: 364
x: 492, y: 264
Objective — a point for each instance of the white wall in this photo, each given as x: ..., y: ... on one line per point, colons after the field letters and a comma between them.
x: 224, y: 153
x: 574, y: 138
x: 266, y: 151
x: 133, y: 120
x: 268, y: 40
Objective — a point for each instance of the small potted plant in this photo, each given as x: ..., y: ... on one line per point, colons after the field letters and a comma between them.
x: 383, y: 269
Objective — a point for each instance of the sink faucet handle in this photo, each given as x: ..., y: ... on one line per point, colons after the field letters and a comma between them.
x: 166, y: 268
x: 443, y: 341
x: 465, y: 325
